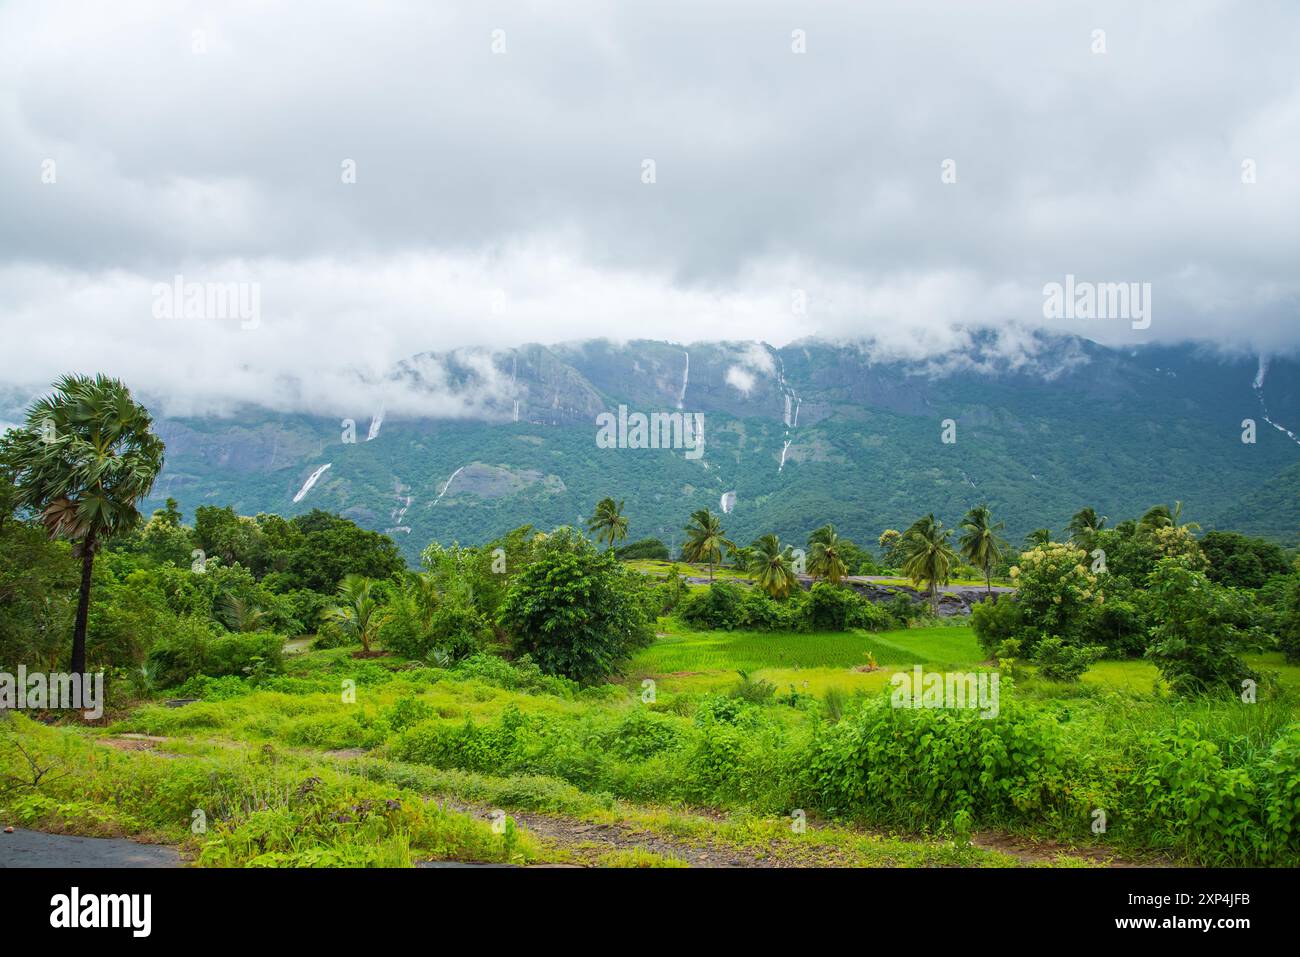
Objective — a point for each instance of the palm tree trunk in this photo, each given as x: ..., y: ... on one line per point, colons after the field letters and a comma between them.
x: 988, y: 581
x: 78, y: 665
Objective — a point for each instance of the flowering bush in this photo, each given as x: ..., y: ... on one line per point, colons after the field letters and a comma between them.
x: 1056, y: 593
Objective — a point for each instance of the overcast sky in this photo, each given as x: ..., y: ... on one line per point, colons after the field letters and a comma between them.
x: 500, y: 190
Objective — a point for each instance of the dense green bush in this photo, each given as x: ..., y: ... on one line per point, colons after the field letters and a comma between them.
x: 1056, y: 593
x: 1289, y: 623
x: 994, y: 621
x: 824, y: 607
x: 646, y: 548
x: 1187, y: 794
x: 455, y: 629
x: 1058, y: 661
x: 831, y: 607
x: 872, y: 617
x: 1117, y: 622
x: 1240, y: 561
x: 193, y: 648
x: 1199, y: 631
x: 761, y: 612
x: 721, y: 605
x: 907, y: 610
x: 523, y: 674
x: 643, y: 734
x: 665, y: 597
x: 577, y: 611
x: 922, y: 766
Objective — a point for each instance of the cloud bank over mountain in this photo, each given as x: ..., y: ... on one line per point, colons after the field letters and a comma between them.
x: 396, y: 178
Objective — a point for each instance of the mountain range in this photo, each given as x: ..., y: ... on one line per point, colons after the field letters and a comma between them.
x: 805, y: 434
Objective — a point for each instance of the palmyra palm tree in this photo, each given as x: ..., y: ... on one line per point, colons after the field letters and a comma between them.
x: 1085, y: 525
x: 927, y: 555
x: 357, y: 611
x: 772, y: 566
x: 980, y: 542
x: 84, y: 459
x: 824, y: 555
x: 607, y: 523
x: 705, y: 539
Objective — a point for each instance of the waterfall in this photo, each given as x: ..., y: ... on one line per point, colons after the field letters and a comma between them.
x: 311, y: 480
x: 1258, y: 386
x: 447, y: 486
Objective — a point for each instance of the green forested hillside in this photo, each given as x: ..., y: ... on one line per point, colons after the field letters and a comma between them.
x: 1083, y: 424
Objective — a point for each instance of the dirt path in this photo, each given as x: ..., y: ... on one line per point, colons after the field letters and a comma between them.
x: 37, y: 849
x: 589, y: 841
x: 1046, y: 852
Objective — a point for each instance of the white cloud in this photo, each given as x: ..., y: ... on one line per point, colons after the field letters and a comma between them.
x: 498, y: 198
x: 741, y: 379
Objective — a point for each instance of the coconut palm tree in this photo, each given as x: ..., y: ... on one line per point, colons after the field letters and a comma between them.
x: 1085, y: 525
x: 1162, y: 516
x: 825, y: 555
x: 607, y: 522
x: 1039, y: 536
x: 239, y: 614
x: 927, y: 555
x: 357, y: 611
x: 82, y: 462
x: 980, y: 542
x: 1157, y: 516
x: 705, y: 539
x: 772, y: 567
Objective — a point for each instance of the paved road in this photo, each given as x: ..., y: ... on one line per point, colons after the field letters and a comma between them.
x: 35, y: 849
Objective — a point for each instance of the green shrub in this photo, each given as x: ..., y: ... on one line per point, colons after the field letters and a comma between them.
x: 192, y: 648
x: 1186, y: 794
x: 922, y: 766
x: 761, y: 612
x: 1289, y: 624
x: 577, y: 611
x: 1199, y: 631
x: 1055, y: 592
x: 253, y: 653
x: 721, y: 605
x: 522, y: 674
x: 1117, y: 623
x: 994, y: 621
x: 830, y: 607
x: 872, y: 617
x: 406, y: 712
x: 753, y: 690
x: 1058, y: 661
x: 330, y: 635
x: 646, y: 548
x: 907, y: 610
x: 643, y: 734
x: 664, y: 597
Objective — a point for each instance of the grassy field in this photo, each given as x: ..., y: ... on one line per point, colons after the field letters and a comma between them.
x: 685, y: 660
x: 295, y: 774
x: 488, y: 762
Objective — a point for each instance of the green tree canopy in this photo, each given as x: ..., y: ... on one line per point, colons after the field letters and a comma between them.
x: 575, y: 610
